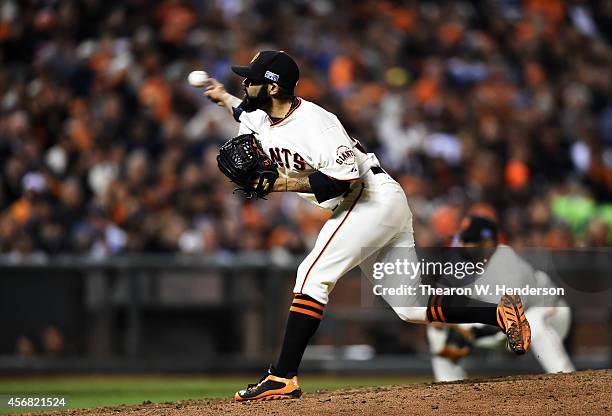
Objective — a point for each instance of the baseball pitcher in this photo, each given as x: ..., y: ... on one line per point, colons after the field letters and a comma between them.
x: 288, y: 144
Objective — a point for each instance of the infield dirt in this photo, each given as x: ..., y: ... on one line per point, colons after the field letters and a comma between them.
x: 581, y: 393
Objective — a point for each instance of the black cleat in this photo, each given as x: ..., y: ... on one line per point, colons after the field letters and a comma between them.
x: 271, y: 387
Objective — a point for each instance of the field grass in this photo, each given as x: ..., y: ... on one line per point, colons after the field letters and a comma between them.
x: 96, y: 391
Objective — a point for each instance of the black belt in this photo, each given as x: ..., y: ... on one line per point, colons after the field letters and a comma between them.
x: 377, y: 169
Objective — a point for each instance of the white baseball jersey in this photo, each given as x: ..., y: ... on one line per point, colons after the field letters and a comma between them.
x: 308, y: 139
x: 366, y: 224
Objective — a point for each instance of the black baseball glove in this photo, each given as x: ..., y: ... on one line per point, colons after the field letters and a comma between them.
x: 244, y: 162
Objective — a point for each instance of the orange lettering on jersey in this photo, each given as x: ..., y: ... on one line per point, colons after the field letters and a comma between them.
x: 298, y: 162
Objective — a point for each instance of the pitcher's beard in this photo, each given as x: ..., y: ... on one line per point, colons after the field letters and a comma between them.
x: 261, y: 101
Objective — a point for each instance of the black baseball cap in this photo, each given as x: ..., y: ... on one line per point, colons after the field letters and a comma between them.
x: 271, y: 66
x: 477, y: 229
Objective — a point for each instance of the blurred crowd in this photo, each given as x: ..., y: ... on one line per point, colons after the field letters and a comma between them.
x: 500, y: 107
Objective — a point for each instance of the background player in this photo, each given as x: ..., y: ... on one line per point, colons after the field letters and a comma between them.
x: 549, y: 316
x: 371, y: 218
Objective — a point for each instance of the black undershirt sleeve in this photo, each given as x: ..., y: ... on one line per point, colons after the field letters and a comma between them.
x: 236, y: 112
x: 326, y: 188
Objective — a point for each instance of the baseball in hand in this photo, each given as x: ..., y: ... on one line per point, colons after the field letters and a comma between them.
x: 197, y: 78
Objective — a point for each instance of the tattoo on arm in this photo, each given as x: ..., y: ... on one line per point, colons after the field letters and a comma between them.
x: 300, y: 185
x: 293, y: 185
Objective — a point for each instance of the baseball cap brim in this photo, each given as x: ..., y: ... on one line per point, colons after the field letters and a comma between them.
x: 246, y: 72
x: 242, y: 70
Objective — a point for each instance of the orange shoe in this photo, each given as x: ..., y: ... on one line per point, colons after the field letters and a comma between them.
x: 511, y: 319
x: 271, y: 387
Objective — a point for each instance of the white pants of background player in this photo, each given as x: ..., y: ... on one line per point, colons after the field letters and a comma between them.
x: 549, y: 327
x: 373, y: 223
